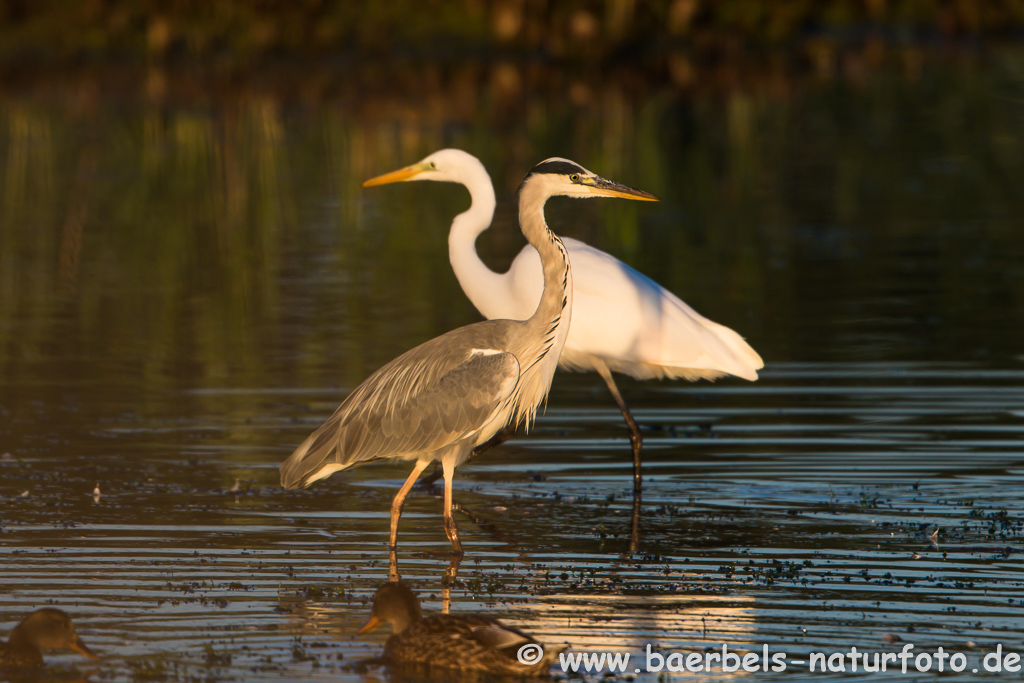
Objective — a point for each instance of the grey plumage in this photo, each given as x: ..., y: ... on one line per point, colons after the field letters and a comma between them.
x: 428, y: 399
x: 441, y: 399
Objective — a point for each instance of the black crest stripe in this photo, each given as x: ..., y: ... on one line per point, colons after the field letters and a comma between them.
x: 560, y: 167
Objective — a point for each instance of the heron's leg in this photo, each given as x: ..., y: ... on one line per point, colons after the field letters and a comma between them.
x: 399, y: 500
x: 634, y: 431
x: 501, y: 437
x: 449, y: 520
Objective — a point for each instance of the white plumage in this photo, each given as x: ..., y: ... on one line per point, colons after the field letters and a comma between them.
x: 622, y: 320
x: 447, y: 396
x: 630, y: 322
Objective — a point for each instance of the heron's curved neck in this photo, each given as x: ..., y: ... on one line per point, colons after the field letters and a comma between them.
x: 484, y: 287
x: 556, y: 300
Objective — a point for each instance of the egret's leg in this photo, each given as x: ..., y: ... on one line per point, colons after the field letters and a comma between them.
x: 501, y: 437
x: 634, y: 431
x: 449, y: 520
x: 634, y: 527
x: 399, y: 500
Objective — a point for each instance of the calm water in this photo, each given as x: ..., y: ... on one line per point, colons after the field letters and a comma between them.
x: 187, y: 291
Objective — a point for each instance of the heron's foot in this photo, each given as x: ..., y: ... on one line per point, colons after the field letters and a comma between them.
x: 451, y: 572
x: 453, y: 535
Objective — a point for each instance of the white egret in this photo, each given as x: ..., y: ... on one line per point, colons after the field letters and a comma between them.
x: 622, y: 321
x: 440, y: 400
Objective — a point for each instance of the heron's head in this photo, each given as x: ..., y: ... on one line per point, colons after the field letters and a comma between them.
x: 446, y: 165
x: 561, y: 177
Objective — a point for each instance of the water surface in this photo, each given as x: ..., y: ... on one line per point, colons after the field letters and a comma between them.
x: 186, y: 292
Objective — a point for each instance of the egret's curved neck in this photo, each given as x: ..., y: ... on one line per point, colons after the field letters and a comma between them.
x: 483, y: 286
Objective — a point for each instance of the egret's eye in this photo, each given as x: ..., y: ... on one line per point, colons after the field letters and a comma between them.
x: 433, y: 165
x: 575, y: 177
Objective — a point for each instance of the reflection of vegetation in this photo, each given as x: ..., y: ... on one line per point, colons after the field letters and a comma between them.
x: 167, y: 247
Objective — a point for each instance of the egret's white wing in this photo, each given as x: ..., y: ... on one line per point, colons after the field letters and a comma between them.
x: 631, y: 322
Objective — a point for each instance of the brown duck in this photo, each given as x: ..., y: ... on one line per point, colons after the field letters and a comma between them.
x: 467, y: 642
x: 47, y: 628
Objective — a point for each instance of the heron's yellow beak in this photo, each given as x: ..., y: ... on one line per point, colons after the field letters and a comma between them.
x: 603, y: 187
x: 372, y: 623
x: 401, y: 175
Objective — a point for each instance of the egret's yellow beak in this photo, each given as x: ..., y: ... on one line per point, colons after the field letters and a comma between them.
x: 602, y: 187
x: 373, y: 622
x: 401, y: 175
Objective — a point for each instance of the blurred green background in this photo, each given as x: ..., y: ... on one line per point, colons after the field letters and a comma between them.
x: 181, y: 201
x: 241, y: 34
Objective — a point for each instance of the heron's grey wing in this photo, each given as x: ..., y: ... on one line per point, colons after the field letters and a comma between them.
x: 407, y: 407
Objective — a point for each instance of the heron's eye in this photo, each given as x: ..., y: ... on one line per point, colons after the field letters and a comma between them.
x: 575, y: 177
x: 433, y: 165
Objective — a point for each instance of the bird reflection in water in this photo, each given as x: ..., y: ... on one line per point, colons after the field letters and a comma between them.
x: 448, y: 579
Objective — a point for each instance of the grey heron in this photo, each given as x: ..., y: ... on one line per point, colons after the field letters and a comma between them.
x: 440, y: 400
x: 622, y: 320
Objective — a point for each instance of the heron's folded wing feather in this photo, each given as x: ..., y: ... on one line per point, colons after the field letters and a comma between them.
x: 407, y: 407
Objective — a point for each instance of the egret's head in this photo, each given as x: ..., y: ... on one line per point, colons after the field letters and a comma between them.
x: 561, y: 177
x: 446, y: 165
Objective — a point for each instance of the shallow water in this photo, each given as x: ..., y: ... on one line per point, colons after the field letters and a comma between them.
x: 186, y: 294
